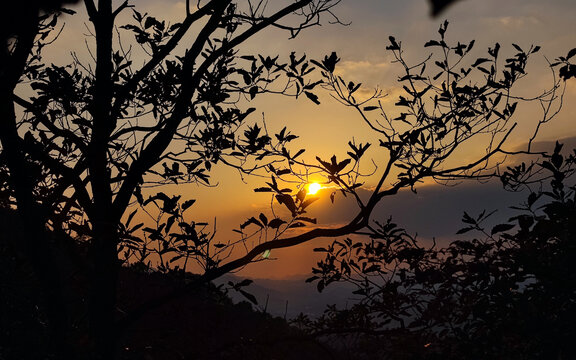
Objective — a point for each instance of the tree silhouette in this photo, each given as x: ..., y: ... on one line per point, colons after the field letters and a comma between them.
x: 80, y: 150
x: 507, y: 292
x: 84, y: 149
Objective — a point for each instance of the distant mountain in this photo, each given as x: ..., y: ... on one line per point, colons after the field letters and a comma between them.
x: 292, y: 296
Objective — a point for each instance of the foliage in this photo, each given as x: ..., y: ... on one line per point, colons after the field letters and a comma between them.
x: 506, y: 293
x: 93, y: 133
x: 447, y: 100
x: 82, y: 150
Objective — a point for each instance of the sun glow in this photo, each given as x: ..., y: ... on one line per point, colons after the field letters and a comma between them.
x: 313, y: 188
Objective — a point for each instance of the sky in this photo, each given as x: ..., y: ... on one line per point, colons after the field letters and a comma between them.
x: 325, y: 129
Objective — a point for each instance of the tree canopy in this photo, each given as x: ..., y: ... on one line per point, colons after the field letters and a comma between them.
x: 82, y: 142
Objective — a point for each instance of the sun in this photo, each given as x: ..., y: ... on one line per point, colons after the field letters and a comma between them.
x: 313, y: 188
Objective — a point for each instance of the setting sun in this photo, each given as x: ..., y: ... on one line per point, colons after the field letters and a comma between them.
x: 313, y: 188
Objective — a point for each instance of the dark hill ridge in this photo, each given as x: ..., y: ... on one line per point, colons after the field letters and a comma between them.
x: 292, y: 296
x: 206, y: 325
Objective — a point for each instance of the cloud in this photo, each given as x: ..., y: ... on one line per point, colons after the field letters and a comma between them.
x: 371, y: 73
x: 516, y: 22
x: 362, y: 64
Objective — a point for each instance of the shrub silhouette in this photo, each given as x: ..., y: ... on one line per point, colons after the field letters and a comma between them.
x: 508, y: 293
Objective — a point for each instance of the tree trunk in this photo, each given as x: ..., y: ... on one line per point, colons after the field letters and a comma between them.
x: 30, y: 228
x: 103, y: 296
x: 31, y: 225
x: 104, y: 221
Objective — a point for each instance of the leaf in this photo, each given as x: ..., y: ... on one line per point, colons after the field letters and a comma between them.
x: 330, y: 62
x: 517, y: 48
x: 480, y: 61
x: 341, y: 165
x: 439, y: 5
x: 315, y: 62
x: 288, y: 202
x: 309, y: 201
x: 244, y: 282
x: 266, y: 254
x: 169, y: 223
x: 301, y: 194
x: 359, y: 292
x: 253, y: 91
x: 187, y: 204
x: 371, y: 108
x: 312, y: 97
x: 252, y: 220
x: 136, y: 227
x: 276, y: 223
x: 130, y: 217
x: 394, y: 45
x: 300, y: 152
x: 467, y: 219
x: 464, y: 230
x: 150, y: 21
x: 532, y: 198
x: 432, y: 43
x: 249, y: 296
x: 263, y: 219
x: 571, y: 53
x: 501, y: 227
x: 262, y: 189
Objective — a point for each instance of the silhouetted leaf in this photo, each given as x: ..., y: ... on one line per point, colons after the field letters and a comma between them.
x: 276, y: 223
x: 249, y: 296
x: 186, y: 204
x: 501, y: 227
x: 309, y: 201
x: 262, y: 189
x: 394, y: 45
x: 244, y: 282
x: 253, y: 91
x: 252, y: 220
x: 312, y: 97
x: 263, y: 219
x: 287, y: 201
x: 464, y: 230
x: 480, y: 61
x: 432, y: 43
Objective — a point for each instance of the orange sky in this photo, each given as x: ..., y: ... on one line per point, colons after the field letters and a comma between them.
x: 325, y: 129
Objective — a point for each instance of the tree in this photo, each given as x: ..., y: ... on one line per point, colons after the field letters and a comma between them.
x: 507, y: 292
x: 76, y: 158
x: 94, y: 134
x: 438, y: 113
